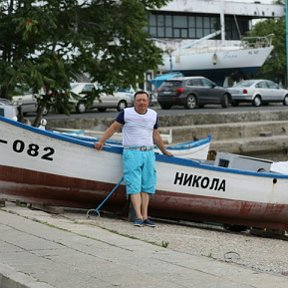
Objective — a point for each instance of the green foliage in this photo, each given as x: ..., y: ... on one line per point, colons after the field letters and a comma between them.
x: 47, y: 44
x: 275, y: 67
x: 164, y: 244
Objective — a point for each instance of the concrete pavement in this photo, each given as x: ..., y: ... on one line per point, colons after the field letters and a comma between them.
x: 43, y: 250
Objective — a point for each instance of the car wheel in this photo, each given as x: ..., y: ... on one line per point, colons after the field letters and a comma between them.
x: 165, y: 106
x: 225, y: 101
x: 191, y: 102
x: 257, y: 102
x: 121, y: 105
x: 285, y: 101
x: 81, y: 107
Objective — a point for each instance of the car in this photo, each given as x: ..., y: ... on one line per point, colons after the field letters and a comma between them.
x: 8, y: 109
x: 258, y: 92
x: 191, y: 92
x: 28, y: 103
x: 119, y: 100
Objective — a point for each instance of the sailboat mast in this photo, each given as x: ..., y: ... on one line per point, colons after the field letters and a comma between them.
x: 222, y: 23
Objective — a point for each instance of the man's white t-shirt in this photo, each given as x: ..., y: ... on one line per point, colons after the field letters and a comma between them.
x: 137, y: 128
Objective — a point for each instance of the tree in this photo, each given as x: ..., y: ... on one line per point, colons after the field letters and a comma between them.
x: 274, y: 68
x: 47, y: 44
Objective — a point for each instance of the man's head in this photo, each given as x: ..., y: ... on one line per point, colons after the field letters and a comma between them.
x: 141, y: 101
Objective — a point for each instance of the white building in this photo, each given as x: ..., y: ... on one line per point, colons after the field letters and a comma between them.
x: 181, y: 22
x: 194, y: 19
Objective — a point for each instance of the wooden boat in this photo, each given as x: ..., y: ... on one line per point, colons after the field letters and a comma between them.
x: 39, y: 166
x: 196, y: 149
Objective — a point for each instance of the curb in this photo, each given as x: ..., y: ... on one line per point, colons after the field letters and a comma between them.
x: 10, y: 278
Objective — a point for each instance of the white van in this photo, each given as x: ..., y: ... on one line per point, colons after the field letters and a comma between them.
x: 7, y: 109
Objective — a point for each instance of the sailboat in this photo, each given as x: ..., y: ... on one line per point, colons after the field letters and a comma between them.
x: 216, y: 59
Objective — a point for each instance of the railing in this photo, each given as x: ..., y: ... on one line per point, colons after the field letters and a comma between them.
x: 257, y: 42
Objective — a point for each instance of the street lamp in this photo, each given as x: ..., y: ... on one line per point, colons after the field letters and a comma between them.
x: 169, y: 51
x: 286, y: 18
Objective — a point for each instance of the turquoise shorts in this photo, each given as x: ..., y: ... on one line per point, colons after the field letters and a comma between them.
x: 139, y: 171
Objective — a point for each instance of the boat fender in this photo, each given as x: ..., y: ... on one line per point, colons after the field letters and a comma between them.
x: 43, y: 124
x: 214, y: 59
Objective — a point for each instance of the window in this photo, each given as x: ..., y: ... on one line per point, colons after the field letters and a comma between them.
x: 261, y: 85
x: 192, y: 22
x: 192, y: 33
x: 168, y: 19
x: 235, y: 26
x: 272, y: 85
x: 199, y: 33
x: 180, y: 21
x: 196, y: 26
x: 194, y: 82
x: 88, y: 88
x: 153, y: 31
x: 152, y: 20
x: 172, y: 84
x: 176, y: 33
x: 206, y: 22
x: 160, y: 32
x: 207, y: 83
x: 224, y: 163
x: 168, y: 32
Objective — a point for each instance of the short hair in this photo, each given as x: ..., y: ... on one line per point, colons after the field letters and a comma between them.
x: 142, y: 92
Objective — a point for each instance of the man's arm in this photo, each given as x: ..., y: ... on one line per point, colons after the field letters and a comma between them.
x: 114, y: 127
x: 159, y: 142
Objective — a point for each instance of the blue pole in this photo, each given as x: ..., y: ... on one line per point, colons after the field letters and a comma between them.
x: 97, y: 210
x: 286, y: 20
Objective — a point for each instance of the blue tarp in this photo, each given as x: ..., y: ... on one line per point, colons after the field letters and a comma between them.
x: 157, y: 81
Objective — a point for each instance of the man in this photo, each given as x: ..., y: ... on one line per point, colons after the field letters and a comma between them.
x: 140, y: 131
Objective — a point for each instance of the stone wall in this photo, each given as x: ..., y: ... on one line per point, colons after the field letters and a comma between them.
x: 238, y: 132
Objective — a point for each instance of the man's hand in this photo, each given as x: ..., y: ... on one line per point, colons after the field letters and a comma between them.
x: 159, y: 142
x: 168, y: 153
x: 98, y: 145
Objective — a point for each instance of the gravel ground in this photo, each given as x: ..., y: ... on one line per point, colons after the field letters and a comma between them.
x: 258, y: 253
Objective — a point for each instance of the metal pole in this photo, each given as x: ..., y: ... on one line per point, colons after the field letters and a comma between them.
x: 286, y: 18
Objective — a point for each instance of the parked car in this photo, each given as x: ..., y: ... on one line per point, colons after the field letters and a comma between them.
x: 7, y: 109
x: 258, y: 92
x: 191, y: 92
x: 28, y: 103
x: 121, y: 99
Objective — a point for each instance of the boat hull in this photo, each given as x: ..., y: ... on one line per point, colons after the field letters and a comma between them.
x: 217, y: 64
x: 218, y: 59
x: 40, y: 167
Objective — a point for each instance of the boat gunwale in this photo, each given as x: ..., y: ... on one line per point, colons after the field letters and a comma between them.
x: 178, y: 146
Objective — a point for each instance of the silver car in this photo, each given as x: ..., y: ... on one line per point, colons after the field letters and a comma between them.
x: 258, y: 92
x: 28, y: 103
x: 7, y: 109
x: 119, y: 100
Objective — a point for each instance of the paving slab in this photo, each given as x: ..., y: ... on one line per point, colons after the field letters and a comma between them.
x: 39, y: 249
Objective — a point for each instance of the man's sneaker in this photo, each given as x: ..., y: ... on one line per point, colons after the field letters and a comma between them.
x: 138, y: 222
x: 149, y: 223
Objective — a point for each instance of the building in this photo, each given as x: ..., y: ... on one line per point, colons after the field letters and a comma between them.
x: 181, y: 22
